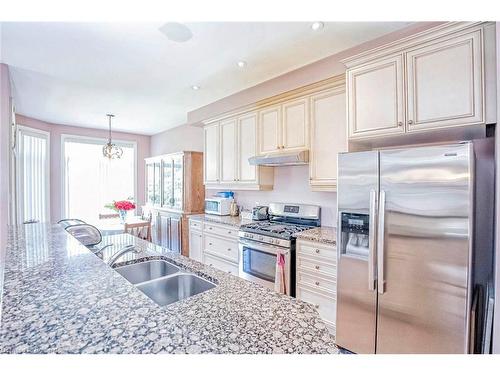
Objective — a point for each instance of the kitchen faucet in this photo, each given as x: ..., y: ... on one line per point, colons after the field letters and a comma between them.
x: 121, y: 252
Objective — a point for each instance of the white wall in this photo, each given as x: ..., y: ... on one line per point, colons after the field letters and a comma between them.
x: 180, y: 138
x: 291, y: 185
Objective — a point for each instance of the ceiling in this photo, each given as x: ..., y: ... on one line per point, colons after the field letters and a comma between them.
x: 75, y: 73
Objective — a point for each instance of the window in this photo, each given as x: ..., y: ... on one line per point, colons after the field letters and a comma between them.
x: 32, y: 175
x: 90, y: 181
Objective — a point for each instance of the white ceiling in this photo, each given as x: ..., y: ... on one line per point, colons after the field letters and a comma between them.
x: 75, y: 73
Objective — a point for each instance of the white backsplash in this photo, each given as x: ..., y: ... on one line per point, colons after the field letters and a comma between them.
x: 291, y: 185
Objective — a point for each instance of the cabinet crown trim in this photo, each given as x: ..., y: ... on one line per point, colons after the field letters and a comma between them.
x: 337, y: 81
x: 398, y: 46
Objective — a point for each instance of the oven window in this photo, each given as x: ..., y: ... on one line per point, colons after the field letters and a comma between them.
x: 212, y: 206
x: 259, y: 264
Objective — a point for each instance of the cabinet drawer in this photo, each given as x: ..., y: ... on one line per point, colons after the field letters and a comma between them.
x: 221, y: 264
x: 222, y: 247
x: 324, y: 284
x: 197, y: 225
x: 221, y: 230
x: 317, y: 250
x: 314, y: 266
x: 325, y: 304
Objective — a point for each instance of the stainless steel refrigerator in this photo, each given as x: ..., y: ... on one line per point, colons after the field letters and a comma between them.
x: 404, y: 249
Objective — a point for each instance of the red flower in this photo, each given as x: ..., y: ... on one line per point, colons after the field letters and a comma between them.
x: 124, y: 205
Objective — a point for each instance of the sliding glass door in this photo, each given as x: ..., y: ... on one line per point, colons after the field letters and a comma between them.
x: 32, y: 175
x: 90, y: 181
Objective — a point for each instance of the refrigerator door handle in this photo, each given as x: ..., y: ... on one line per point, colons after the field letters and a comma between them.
x: 380, y: 243
x: 371, y: 241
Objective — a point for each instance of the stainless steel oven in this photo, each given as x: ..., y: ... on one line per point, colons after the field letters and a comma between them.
x: 258, y: 262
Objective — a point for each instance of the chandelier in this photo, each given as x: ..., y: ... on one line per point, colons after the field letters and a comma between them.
x: 110, y: 150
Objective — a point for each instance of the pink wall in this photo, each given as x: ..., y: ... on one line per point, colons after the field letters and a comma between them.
x: 291, y: 185
x: 143, y: 146
x: 180, y: 138
x: 4, y: 163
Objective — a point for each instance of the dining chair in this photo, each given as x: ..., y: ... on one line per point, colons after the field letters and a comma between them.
x: 108, y: 216
x: 141, y: 230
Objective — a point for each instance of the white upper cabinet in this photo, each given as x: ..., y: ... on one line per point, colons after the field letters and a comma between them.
x: 228, y: 151
x: 211, y: 157
x: 270, y: 130
x: 445, y: 83
x: 328, y: 137
x: 247, y: 147
x: 441, y: 78
x: 284, y: 127
x: 238, y: 143
x: 375, y: 97
x: 295, y: 125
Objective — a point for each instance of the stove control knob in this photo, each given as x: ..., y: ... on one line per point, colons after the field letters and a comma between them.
x: 261, y: 238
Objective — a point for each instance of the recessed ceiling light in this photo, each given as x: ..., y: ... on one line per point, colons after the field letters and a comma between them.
x: 195, y: 88
x: 242, y: 64
x: 176, y: 32
x: 317, y: 26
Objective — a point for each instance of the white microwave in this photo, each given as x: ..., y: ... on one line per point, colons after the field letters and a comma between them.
x: 218, y: 205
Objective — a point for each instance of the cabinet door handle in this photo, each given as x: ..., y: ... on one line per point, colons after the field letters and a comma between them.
x: 210, y: 243
x: 317, y: 283
x: 410, y: 122
x: 317, y: 267
x: 400, y: 123
x: 316, y: 306
x: 229, y: 249
x: 317, y: 251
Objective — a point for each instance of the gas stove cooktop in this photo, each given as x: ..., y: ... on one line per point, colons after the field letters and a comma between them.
x: 274, y: 229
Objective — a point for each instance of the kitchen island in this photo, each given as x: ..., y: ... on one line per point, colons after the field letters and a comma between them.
x: 58, y: 297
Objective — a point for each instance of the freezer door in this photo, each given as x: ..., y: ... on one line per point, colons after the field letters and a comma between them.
x: 357, y: 190
x: 424, y: 248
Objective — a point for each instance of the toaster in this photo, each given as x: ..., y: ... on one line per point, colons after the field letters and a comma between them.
x: 260, y: 213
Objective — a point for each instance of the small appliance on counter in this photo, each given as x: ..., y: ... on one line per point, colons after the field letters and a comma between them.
x: 260, y: 213
x: 234, y: 210
x: 218, y: 205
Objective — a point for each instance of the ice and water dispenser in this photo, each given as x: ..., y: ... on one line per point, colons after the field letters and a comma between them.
x: 355, y: 234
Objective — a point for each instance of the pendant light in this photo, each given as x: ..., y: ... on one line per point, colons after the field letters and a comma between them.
x: 110, y: 150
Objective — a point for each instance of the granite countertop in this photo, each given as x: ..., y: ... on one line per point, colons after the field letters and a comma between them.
x: 326, y: 235
x: 235, y: 221
x: 58, y: 297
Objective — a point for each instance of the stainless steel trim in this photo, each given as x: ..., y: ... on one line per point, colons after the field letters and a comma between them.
x: 306, y: 211
x: 380, y: 243
x: 265, y: 247
x: 264, y: 239
x: 371, y: 241
x: 276, y: 160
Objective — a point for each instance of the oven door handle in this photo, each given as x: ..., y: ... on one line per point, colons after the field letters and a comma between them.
x: 272, y: 249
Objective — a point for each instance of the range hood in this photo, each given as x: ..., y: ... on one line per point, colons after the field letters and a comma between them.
x: 278, y: 160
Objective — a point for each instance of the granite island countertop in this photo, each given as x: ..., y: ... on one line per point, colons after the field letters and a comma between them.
x: 58, y: 297
x: 326, y: 235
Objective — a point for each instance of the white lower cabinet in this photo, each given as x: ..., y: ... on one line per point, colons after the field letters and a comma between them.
x: 317, y: 278
x: 195, y: 243
x: 215, y: 245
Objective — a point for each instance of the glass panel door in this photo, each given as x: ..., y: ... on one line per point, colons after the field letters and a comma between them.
x: 168, y: 195
x: 150, y: 178
x: 178, y: 181
x: 156, y: 188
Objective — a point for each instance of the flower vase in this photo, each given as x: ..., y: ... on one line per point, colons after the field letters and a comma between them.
x: 123, y: 216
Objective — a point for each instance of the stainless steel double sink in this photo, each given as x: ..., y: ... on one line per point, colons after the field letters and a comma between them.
x: 164, y: 282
